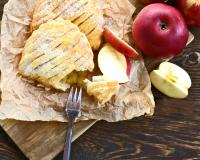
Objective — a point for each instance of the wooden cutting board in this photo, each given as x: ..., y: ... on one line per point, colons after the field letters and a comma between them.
x: 41, y: 140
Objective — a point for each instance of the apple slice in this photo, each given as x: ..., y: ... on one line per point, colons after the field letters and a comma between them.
x: 128, y: 69
x: 119, y: 44
x: 190, y: 38
x: 113, y: 64
x: 99, y: 78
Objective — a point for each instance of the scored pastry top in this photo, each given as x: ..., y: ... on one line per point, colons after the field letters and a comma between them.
x: 55, y: 50
x: 83, y: 13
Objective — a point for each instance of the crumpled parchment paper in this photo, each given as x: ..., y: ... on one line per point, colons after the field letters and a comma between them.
x: 28, y: 101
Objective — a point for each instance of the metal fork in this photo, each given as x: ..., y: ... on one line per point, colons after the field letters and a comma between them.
x: 72, y: 110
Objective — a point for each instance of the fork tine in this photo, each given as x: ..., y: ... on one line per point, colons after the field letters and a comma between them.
x: 69, y: 100
x: 79, y: 98
x: 72, y: 112
x: 75, y: 95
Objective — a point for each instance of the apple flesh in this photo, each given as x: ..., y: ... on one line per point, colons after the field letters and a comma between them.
x: 113, y: 64
x: 190, y: 10
x: 152, y: 1
x: 99, y: 78
x: 119, y: 44
x: 160, y: 31
x: 171, y: 80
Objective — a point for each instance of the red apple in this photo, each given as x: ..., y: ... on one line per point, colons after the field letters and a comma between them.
x: 160, y: 31
x: 191, y: 11
x: 152, y: 1
x: 120, y: 45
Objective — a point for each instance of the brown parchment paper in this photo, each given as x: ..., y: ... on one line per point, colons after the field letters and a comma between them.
x: 24, y: 100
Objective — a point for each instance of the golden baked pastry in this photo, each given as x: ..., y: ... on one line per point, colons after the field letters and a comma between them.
x: 54, y: 51
x: 83, y: 13
x: 101, y: 88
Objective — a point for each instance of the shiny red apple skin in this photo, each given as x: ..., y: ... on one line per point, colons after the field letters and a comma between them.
x: 120, y: 45
x: 128, y: 69
x: 151, y: 1
x: 154, y: 41
x: 191, y: 11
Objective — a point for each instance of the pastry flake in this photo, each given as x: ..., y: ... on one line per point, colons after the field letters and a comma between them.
x: 101, y: 88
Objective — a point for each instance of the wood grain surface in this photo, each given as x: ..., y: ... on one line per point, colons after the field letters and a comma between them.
x: 172, y: 133
x: 42, y: 140
x: 2, y: 2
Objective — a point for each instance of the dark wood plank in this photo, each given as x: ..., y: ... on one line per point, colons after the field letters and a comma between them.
x: 8, y: 150
x: 169, y: 134
x: 2, y: 2
x: 172, y: 133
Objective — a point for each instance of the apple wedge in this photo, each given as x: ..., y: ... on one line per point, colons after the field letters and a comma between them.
x: 128, y: 69
x: 99, y: 78
x: 113, y: 64
x: 120, y: 45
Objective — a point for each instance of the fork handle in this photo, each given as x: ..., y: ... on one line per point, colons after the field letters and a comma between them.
x: 68, y: 142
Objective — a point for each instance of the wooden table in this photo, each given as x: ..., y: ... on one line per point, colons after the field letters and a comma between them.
x: 172, y: 133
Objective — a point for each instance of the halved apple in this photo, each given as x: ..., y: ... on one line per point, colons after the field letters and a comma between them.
x: 119, y: 44
x: 171, y: 80
x: 113, y: 64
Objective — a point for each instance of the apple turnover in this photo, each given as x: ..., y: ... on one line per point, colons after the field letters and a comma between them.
x: 83, y: 13
x: 102, y: 88
x: 53, y: 52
